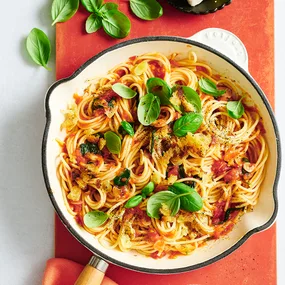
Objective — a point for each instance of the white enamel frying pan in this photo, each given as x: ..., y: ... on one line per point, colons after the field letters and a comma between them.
x: 228, y: 56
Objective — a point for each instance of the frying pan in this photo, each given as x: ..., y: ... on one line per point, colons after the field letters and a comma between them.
x: 228, y: 56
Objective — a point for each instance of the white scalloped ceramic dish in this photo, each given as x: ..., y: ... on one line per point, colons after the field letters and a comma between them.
x: 62, y: 91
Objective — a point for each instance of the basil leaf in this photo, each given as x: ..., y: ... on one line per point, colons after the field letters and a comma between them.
x: 113, y: 142
x: 146, y: 9
x: 63, y: 10
x: 123, y: 178
x: 116, y: 24
x: 148, y: 189
x: 134, y: 201
x: 95, y: 219
x: 92, y: 6
x: 235, y: 109
x: 107, y: 7
x: 93, y: 24
x: 173, y: 205
x: 148, y: 109
x: 89, y: 147
x: 188, y: 123
x: 155, y: 202
x: 141, y: 68
x: 160, y: 88
x: 192, y: 97
x: 38, y: 47
x: 124, y: 91
x: 128, y: 128
x: 190, y: 200
x: 209, y: 87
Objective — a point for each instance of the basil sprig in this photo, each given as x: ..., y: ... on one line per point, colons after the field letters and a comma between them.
x: 128, y: 128
x: 123, y: 178
x: 235, y: 109
x: 113, y: 142
x: 160, y: 88
x: 148, y: 109
x: 63, y: 10
x: 124, y: 91
x: 192, y: 97
x: 92, y: 6
x: 179, y: 196
x: 188, y: 123
x: 89, y: 147
x: 95, y: 219
x: 209, y: 87
x: 93, y: 24
x: 146, y: 9
x: 38, y: 47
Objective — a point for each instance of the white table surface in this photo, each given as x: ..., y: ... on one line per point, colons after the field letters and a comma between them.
x: 26, y: 214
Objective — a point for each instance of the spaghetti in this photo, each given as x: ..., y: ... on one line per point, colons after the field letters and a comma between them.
x: 223, y: 160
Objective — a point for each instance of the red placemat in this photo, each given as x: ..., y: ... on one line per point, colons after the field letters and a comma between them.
x: 253, y: 22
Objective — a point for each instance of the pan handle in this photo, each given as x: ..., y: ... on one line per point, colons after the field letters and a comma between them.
x: 93, y: 273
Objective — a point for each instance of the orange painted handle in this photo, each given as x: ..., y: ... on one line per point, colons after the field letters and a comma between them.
x: 90, y: 276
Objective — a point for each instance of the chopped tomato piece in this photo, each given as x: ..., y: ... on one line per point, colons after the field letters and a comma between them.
x: 159, y: 188
x: 173, y: 170
x: 220, y: 167
x: 156, y: 256
x: 79, y: 157
x: 121, y: 72
x: 157, y: 69
x: 152, y: 235
x: 219, y: 213
x: 233, y: 175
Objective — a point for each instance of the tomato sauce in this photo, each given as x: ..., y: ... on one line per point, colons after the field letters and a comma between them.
x: 219, y: 213
x: 233, y: 175
x: 156, y: 256
x: 77, y: 98
x: 157, y: 69
x: 79, y: 220
x: 219, y: 167
x: 121, y: 72
x: 79, y: 158
x: 174, y: 254
x: 173, y: 170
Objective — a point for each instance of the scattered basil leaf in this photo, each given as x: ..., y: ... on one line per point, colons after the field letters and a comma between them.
x: 146, y: 9
x: 235, y: 109
x: 116, y: 24
x: 113, y: 142
x: 128, y: 128
x: 92, y: 6
x: 95, y: 219
x: 188, y: 123
x: 107, y: 7
x: 124, y: 91
x: 93, y: 24
x: 63, y: 10
x: 123, y: 178
x: 191, y: 201
x: 192, y: 97
x: 148, y: 189
x: 229, y: 211
x: 160, y: 88
x: 89, y: 147
x: 134, y: 201
x: 209, y: 87
x: 148, y: 109
x: 38, y: 47
x: 155, y: 202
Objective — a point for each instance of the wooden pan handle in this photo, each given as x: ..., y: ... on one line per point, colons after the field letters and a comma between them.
x: 93, y: 273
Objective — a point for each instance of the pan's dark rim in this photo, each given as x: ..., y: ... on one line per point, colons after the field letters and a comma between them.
x: 129, y: 266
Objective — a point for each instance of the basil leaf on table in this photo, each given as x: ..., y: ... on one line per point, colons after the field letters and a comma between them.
x: 63, y: 10
x: 192, y: 97
x: 146, y: 9
x: 38, y: 47
x: 95, y: 219
x: 123, y: 178
x: 235, y: 109
x: 128, y: 128
x: 191, y: 201
x: 92, y: 6
x: 160, y: 88
x: 93, y: 24
x: 116, y: 24
x: 89, y: 147
x: 188, y: 123
x: 107, y: 7
x: 124, y: 91
x: 209, y: 87
x: 134, y: 201
x: 155, y: 202
x: 148, y: 189
x: 148, y: 109
x: 113, y: 142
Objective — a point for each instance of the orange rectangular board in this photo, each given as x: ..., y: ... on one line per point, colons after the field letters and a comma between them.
x: 254, y: 263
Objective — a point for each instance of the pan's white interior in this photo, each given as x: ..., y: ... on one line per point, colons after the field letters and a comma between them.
x: 63, y: 94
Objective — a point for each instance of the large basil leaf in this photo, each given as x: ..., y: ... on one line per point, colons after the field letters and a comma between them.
x: 116, y: 24
x: 146, y: 9
x: 95, y: 219
x: 92, y: 6
x: 235, y: 109
x: 192, y: 97
x: 93, y: 24
x: 63, y: 10
x: 209, y: 87
x: 38, y: 47
x: 107, y: 7
x: 160, y: 88
x: 148, y: 109
x: 124, y: 91
x: 113, y: 142
x: 188, y: 123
